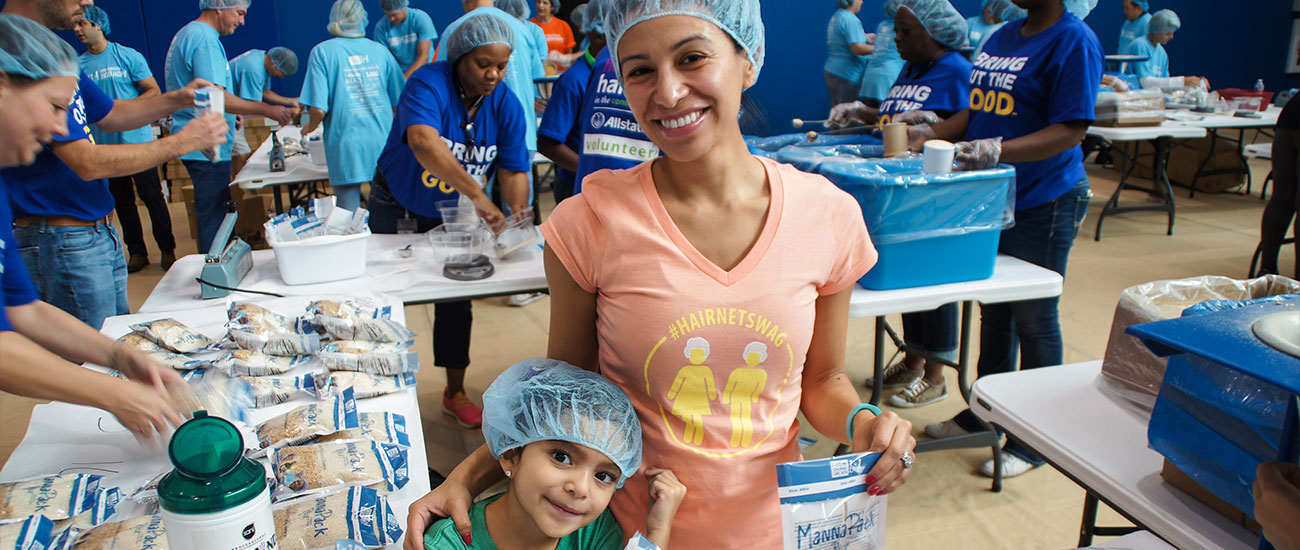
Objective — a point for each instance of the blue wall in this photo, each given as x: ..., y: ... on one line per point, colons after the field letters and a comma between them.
x: 1232, y: 47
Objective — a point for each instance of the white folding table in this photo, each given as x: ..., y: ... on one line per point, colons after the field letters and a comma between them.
x: 1100, y: 442
x: 1162, y: 139
x: 66, y: 439
x: 416, y: 279
x: 298, y: 169
x: 1212, y: 123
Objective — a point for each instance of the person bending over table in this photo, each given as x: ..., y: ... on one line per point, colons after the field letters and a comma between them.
x: 710, y: 285
x: 39, y: 342
x: 408, y: 33
x: 1154, y: 72
x: 1034, y: 86
x: 934, y: 84
x: 456, y: 124
x: 250, y: 73
x: 357, y: 112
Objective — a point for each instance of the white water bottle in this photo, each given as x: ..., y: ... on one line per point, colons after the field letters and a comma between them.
x: 1259, y: 85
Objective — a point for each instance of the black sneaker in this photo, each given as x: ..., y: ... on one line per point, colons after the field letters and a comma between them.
x: 136, y: 263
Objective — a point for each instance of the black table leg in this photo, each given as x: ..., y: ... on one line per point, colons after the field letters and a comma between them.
x: 1163, y: 146
x: 878, y: 381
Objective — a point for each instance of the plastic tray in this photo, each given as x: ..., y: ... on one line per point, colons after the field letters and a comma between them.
x: 321, y: 259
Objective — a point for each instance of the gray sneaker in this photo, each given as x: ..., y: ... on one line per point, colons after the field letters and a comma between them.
x: 919, y: 393
x: 897, y: 375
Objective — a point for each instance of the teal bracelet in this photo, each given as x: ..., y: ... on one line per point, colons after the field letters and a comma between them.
x: 848, y: 424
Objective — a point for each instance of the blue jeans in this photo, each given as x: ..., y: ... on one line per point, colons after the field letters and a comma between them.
x: 934, y: 331
x: 347, y: 197
x: 211, y: 191
x: 81, y: 270
x: 1042, y: 236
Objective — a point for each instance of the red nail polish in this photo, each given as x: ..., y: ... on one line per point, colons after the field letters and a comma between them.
x: 469, y: 538
x: 871, y: 479
x: 872, y: 491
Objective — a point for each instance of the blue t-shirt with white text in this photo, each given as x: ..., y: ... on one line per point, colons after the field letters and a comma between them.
x: 560, y: 122
x: 116, y: 70
x: 404, y: 40
x: 431, y: 98
x: 48, y: 187
x: 248, y: 74
x: 1023, y: 84
x: 942, y: 86
x: 611, y: 137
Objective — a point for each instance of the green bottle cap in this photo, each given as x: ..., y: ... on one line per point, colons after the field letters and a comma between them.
x: 211, y: 472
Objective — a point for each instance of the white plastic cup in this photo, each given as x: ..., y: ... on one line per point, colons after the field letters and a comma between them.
x: 249, y: 525
x: 937, y: 156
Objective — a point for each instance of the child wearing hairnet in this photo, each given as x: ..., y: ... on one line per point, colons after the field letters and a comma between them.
x: 566, y: 439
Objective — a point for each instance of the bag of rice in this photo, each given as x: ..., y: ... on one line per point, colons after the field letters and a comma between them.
x: 271, y: 342
x: 147, y: 494
x: 175, y: 336
x: 177, y: 361
x: 56, y: 497
x: 29, y: 533
x: 209, y: 390
x: 142, y: 533
x: 269, y: 390
x: 309, y: 468
x: 349, y: 320
x: 242, y: 362
x: 371, y: 357
x: 309, y: 422
x: 363, y: 384
x: 357, y: 513
x: 825, y: 505
x: 250, y: 315
x: 381, y: 427
x: 140, y: 342
x: 105, y: 505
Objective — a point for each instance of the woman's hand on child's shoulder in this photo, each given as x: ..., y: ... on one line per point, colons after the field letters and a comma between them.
x: 666, y: 494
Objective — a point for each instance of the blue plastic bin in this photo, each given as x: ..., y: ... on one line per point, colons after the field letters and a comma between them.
x: 928, y: 229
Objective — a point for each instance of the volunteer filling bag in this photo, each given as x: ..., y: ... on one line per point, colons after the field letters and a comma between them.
x: 825, y: 505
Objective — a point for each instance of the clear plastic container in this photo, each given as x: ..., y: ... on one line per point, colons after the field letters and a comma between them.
x: 516, y: 234
x: 459, y: 215
x: 452, y: 246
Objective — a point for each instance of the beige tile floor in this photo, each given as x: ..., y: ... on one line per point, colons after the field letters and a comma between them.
x: 946, y: 504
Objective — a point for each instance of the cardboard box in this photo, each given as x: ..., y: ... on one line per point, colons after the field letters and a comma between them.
x: 1187, y: 157
x: 1173, y: 476
x: 252, y: 214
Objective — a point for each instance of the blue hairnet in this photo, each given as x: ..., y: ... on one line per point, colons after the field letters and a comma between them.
x: 477, y: 30
x: 891, y: 9
x: 544, y: 399
x: 1007, y: 10
x: 1144, y: 4
x: 844, y: 4
x: 740, y: 19
x: 348, y: 19
x: 224, y: 4
x: 1080, y: 8
x: 555, y: 6
x: 1164, y: 21
x: 517, y: 8
x: 578, y: 16
x: 595, y: 16
x: 942, y: 21
x: 284, y: 59
x: 390, y: 6
x: 98, y: 16
x: 30, y: 50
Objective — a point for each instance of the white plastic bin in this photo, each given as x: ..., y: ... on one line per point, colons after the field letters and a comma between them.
x: 316, y: 151
x: 321, y: 259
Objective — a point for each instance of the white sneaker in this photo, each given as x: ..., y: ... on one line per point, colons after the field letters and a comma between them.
x: 521, y: 300
x: 1012, y: 466
x: 947, y: 428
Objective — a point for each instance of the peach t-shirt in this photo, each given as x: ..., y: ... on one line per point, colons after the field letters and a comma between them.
x: 711, y: 359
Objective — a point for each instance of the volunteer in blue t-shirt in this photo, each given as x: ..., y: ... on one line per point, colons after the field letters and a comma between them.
x: 352, y: 85
x: 1136, y: 19
x: 611, y: 138
x: 981, y: 25
x: 559, y: 136
x: 250, y: 75
x: 456, y: 125
x: 196, y: 52
x: 122, y: 73
x: 847, y: 48
x: 935, y: 83
x: 1154, y: 72
x: 41, y: 345
x: 884, y: 65
x: 1033, y: 92
x: 61, y: 202
x: 408, y: 33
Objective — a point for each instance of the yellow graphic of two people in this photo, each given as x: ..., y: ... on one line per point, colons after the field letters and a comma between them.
x: 693, y: 391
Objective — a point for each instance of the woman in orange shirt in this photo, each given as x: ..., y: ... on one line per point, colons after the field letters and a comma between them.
x: 559, y: 36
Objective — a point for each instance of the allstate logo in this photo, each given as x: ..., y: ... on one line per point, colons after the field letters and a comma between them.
x: 598, y: 120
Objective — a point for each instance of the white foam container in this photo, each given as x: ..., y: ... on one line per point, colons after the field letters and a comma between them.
x: 321, y: 259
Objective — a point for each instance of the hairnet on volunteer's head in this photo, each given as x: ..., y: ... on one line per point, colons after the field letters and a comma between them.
x: 30, y: 50
x: 844, y: 4
x: 224, y: 4
x: 555, y: 6
x: 942, y: 21
x: 283, y: 59
x: 98, y: 16
x: 348, y: 19
x: 1009, y: 11
x: 1144, y: 4
x: 477, y: 30
x: 544, y: 399
x: 390, y: 6
x: 740, y: 19
x: 1164, y: 21
x: 595, y: 16
x: 1080, y: 8
x: 517, y: 8
x: 891, y: 8
x: 578, y: 16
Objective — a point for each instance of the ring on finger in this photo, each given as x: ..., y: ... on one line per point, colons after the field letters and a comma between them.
x: 908, y: 460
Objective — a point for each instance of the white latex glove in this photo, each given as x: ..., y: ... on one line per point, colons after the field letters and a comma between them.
x: 845, y: 114
x: 917, y: 136
x: 978, y: 154
x: 917, y: 117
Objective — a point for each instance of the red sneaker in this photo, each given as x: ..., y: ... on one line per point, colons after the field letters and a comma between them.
x: 467, y: 414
